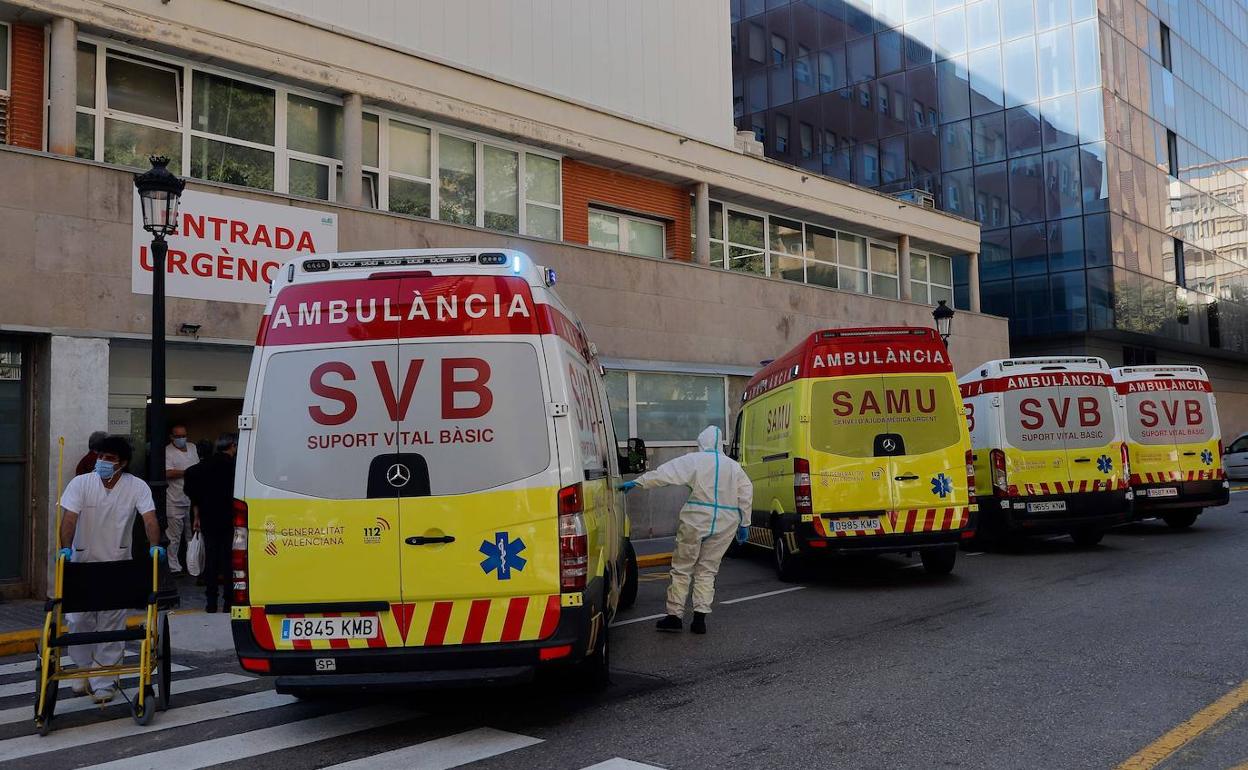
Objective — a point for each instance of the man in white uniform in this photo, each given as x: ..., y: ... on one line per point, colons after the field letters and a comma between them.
x: 98, y: 518
x: 720, y: 502
x: 179, y: 455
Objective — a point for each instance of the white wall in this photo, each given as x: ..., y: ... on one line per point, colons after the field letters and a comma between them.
x: 662, y: 62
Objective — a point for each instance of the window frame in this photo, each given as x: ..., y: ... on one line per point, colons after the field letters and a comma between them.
x: 625, y: 218
x: 632, y: 405
x: 6, y: 84
x: 928, y: 282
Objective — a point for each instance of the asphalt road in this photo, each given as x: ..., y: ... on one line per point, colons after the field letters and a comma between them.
x: 1041, y: 656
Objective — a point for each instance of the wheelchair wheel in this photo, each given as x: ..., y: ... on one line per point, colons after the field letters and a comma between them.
x: 164, y: 663
x: 43, y: 717
x: 143, y: 714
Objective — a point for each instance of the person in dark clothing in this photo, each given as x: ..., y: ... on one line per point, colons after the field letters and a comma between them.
x: 210, y: 485
x: 87, y: 463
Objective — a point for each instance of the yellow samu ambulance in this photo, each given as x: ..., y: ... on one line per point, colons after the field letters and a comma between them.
x: 426, y: 477
x: 855, y: 443
x: 1050, y: 450
x: 1175, y: 442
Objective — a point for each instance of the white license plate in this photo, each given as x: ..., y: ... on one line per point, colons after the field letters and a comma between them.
x: 1049, y: 507
x: 1163, y: 492
x: 329, y: 628
x: 855, y: 525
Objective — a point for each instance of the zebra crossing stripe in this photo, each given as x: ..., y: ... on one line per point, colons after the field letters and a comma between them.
x: 621, y: 764
x: 263, y: 741
x: 28, y: 666
x: 444, y: 753
x: 118, y: 729
x: 23, y: 713
x: 29, y: 688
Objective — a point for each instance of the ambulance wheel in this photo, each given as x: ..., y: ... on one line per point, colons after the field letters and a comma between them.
x: 788, y: 564
x: 1087, y: 538
x: 939, y: 561
x: 628, y: 593
x: 1181, y: 519
x: 164, y: 666
x: 593, y: 674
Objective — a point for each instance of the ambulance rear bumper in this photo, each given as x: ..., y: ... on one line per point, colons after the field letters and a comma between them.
x: 813, y: 544
x: 1080, y: 510
x: 1208, y: 493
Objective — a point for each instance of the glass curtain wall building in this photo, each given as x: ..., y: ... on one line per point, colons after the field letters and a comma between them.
x: 1103, y: 148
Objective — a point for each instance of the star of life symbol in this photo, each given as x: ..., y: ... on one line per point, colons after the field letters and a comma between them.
x: 398, y: 475
x: 942, y: 485
x: 1104, y: 464
x: 1206, y: 457
x: 502, y: 554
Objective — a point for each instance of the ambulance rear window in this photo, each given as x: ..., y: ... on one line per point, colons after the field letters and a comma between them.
x: 848, y: 413
x: 469, y: 415
x: 1059, y: 417
x: 1170, y: 417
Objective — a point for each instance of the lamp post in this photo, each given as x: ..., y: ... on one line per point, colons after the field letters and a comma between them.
x: 943, y: 315
x: 159, y: 193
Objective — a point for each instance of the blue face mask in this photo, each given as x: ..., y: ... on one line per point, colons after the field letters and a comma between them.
x: 179, y: 442
x: 105, y: 469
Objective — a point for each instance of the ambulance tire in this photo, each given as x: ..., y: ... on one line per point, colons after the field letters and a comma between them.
x: 595, y: 670
x: 939, y: 561
x: 1088, y: 537
x: 628, y: 593
x: 788, y: 564
x: 1181, y: 519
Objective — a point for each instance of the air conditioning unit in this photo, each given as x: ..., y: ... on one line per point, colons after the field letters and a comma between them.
x: 917, y: 197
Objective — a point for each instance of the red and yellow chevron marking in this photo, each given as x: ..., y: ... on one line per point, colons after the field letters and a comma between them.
x: 1164, y: 476
x: 1067, y: 487
x: 429, y: 624
x: 900, y: 522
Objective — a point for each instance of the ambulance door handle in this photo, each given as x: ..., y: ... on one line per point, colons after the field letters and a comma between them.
x: 1189, y: 454
x: 1083, y: 459
x: 907, y: 477
x: 421, y: 540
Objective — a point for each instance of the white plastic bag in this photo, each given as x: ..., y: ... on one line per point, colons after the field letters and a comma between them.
x: 195, y: 554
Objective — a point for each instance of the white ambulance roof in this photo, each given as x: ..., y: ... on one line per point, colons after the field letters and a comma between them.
x: 1158, y: 371
x: 1034, y: 365
x: 460, y: 261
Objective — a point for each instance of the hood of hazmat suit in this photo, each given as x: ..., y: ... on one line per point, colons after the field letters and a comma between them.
x: 720, y: 494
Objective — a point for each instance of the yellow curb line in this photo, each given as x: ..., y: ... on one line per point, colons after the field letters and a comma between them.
x: 654, y: 560
x: 1159, y: 750
x: 27, y: 639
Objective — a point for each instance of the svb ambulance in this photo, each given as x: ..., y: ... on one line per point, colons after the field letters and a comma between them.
x: 1050, y: 451
x: 1175, y: 442
x: 855, y: 443
x: 426, y: 484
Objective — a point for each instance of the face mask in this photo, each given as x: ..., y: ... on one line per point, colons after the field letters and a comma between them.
x: 179, y: 442
x: 105, y: 469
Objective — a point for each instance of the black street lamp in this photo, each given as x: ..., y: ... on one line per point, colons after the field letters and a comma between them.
x: 159, y: 193
x: 943, y: 315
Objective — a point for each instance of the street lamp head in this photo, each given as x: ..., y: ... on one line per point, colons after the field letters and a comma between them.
x: 943, y: 315
x: 159, y: 192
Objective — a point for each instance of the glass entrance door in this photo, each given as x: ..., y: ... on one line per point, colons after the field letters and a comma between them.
x: 15, y: 366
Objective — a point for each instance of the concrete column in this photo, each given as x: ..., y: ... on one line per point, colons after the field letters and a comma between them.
x: 352, y: 192
x: 702, y: 223
x: 972, y: 269
x: 62, y: 86
x: 903, y: 266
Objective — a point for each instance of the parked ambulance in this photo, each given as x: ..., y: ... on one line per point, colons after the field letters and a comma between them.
x: 427, y: 470
x: 856, y: 443
x: 1050, y: 450
x: 1175, y: 442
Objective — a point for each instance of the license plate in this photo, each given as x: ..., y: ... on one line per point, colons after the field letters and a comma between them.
x: 855, y: 525
x: 1049, y: 507
x: 329, y: 628
x: 1163, y: 492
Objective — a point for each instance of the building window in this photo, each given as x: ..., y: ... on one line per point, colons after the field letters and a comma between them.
x: 142, y: 110
x: 779, y: 49
x: 666, y: 408
x: 782, y: 134
x: 631, y: 235
x: 883, y: 265
x: 931, y: 278
x: 1172, y: 153
x: 232, y: 131
x: 457, y: 180
x: 4, y: 60
x: 1180, y: 265
x: 1166, y: 60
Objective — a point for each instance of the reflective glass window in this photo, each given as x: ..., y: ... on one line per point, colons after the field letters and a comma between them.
x: 920, y: 42
x: 1032, y: 306
x: 457, y: 180
x: 892, y: 159
x: 987, y: 86
x: 780, y: 80
x: 832, y: 74
x: 1062, y: 188
x: 955, y: 145
x: 313, y: 126
x: 1096, y: 240
x: 1026, y: 190
x: 1059, y: 122
x: 1094, y: 176
x: 1087, y: 50
x: 1091, y: 116
x: 1030, y: 249
x: 501, y: 183
x: 1100, y: 298
x: 992, y: 195
x: 1066, y: 244
x: 958, y: 192
x: 1070, y: 302
x: 888, y: 51
x: 994, y: 255
x: 997, y: 297
x: 953, y: 84
x: 1022, y: 130
x: 951, y: 33
x: 988, y: 138
x: 982, y: 24
x: 85, y: 69
x: 232, y: 108
x: 917, y: 9
x: 1055, y: 50
x: 804, y: 69
x: 756, y: 91
x: 231, y: 163
x: 921, y: 89
x: 861, y: 55
x: 1019, y: 66
x: 1017, y: 19
x: 143, y: 87
x: 1052, y: 13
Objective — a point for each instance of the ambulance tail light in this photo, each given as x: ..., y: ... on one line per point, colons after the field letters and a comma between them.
x: 1126, y: 462
x: 573, y: 540
x: 970, y: 475
x: 1000, y: 481
x: 238, y: 555
x: 801, y: 486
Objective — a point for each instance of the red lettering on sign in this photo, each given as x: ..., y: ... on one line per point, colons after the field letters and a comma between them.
x: 970, y: 417
x: 843, y: 405
x: 451, y: 387
x: 1060, y: 417
x: 1148, y: 410
x: 1032, y: 417
x: 1172, y: 415
x: 397, y: 408
x: 1089, y: 412
x: 345, y: 397
x: 1195, y: 416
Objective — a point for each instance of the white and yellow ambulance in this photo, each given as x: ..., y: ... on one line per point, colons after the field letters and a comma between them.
x: 426, y: 477
x: 1050, y: 450
x: 1175, y: 442
x: 855, y: 443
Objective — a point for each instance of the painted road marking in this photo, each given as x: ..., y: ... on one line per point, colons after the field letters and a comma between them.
x: 619, y: 764
x: 28, y: 666
x: 1156, y: 752
x: 444, y: 753
x: 257, y: 742
x: 84, y: 703
x: 763, y: 596
x: 29, y: 688
x: 117, y: 729
x: 637, y: 620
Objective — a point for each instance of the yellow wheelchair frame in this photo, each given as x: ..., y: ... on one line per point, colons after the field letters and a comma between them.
x: 101, y: 586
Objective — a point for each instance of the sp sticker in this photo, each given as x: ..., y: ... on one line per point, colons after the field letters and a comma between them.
x: 502, y: 555
x: 942, y: 485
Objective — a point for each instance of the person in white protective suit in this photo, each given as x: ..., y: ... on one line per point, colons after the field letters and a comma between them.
x: 718, y: 509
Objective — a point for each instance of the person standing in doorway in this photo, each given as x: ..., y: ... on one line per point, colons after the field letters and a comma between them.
x: 211, y: 488
x: 87, y: 463
x: 99, y: 509
x: 180, y: 454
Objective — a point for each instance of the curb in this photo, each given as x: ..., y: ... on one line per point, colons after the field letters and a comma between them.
x: 27, y: 639
x: 654, y: 560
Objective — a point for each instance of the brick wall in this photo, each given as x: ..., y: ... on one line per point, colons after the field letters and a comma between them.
x: 585, y: 185
x: 26, y: 91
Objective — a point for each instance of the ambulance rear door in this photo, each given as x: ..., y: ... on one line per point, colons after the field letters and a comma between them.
x: 850, y: 467
x: 1093, y: 453
x: 925, y: 414
x: 1035, y: 418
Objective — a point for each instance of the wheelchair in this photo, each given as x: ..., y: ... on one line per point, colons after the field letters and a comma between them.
x: 97, y: 587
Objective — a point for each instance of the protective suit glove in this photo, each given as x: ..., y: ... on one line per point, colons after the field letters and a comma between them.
x: 159, y: 552
x: 67, y: 553
x: 743, y: 534
x: 626, y: 486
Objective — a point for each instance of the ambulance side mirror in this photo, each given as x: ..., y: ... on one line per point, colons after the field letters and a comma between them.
x: 633, y: 459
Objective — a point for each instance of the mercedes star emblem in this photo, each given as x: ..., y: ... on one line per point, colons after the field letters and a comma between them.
x: 888, y: 446
x: 398, y: 475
